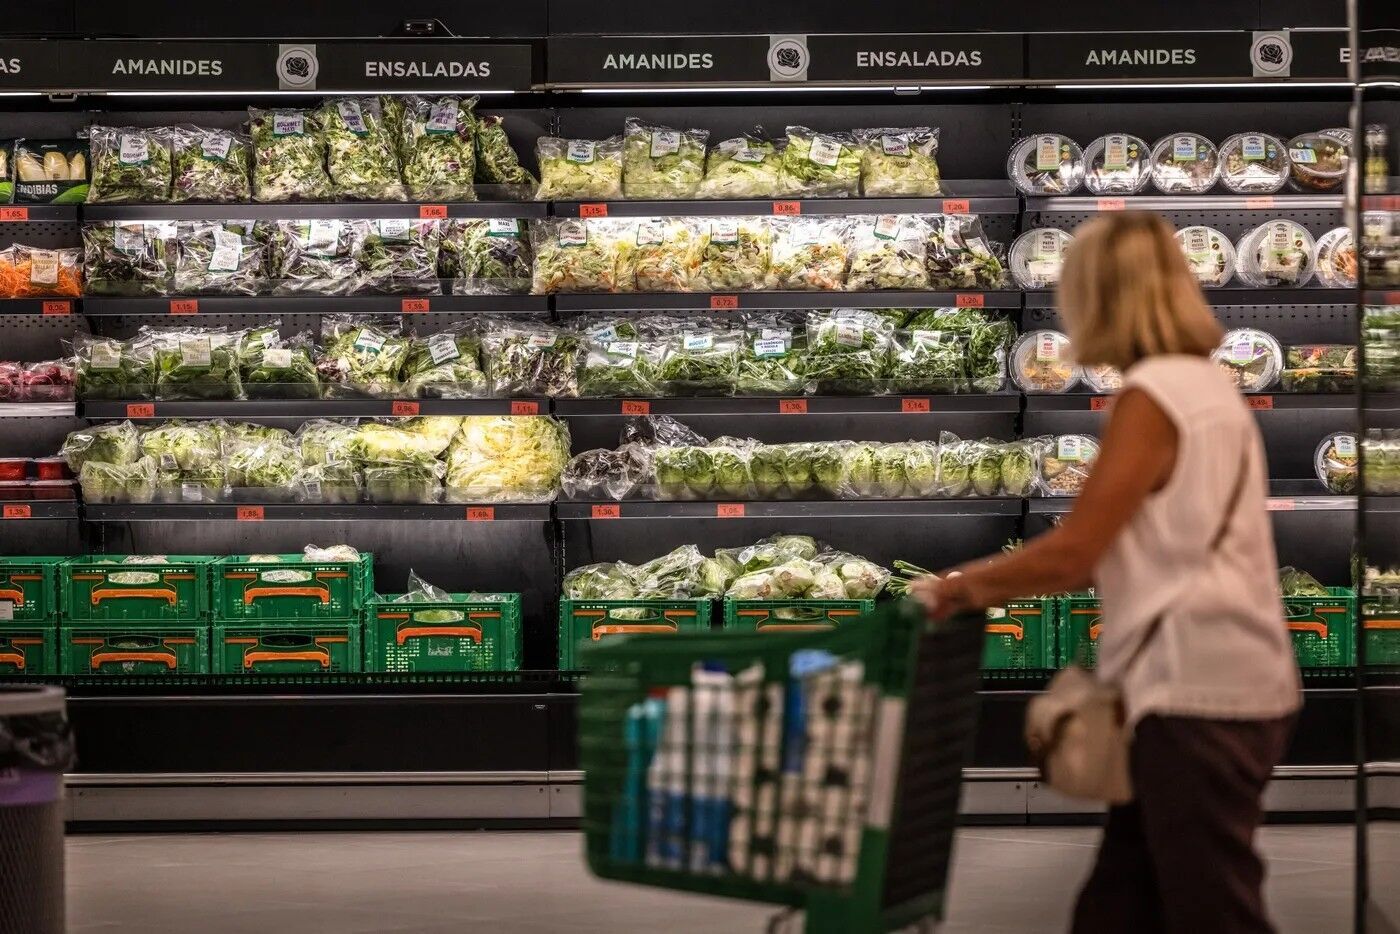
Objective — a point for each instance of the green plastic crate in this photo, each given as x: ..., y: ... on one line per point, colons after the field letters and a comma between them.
x: 28, y: 650
x: 1381, y: 625
x: 1080, y: 621
x: 588, y: 621
x: 292, y: 588
x: 100, y: 588
x: 1323, y: 628
x: 793, y: 615
x: 1020, y: 636
x: 463, y: 635
x: 29, y: 589
x: 120, y: 648
x: 293, y: 647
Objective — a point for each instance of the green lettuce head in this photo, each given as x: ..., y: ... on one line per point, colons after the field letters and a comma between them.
x: 862, y: 474
x: 890, y: 480
x: 768, y: 467
x: 731, y: 472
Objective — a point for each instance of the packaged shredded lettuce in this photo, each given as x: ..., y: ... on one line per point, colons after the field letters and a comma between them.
x: 899, y: 162
x: 437, y: 148
x: 580, y: 255
x: 219, y: 258
x: 129, y: 164
x: 735, y: 254
x: 360, y: 150
x: 497, y: 163
x: 809, y: 253
x: 579, y: 169
x: 445, y: 365
x: 659, y: 162
x: 888, y: 251
x: 394, y: 255
x: 742, y: 167
x: 314, y: 255
x: 289, y: 156
x: 485, y: 256
x: 361, y: 356
x: 821, y: 165
x: 129, y: 258
x: 210, y: 165
x: 666, y: 254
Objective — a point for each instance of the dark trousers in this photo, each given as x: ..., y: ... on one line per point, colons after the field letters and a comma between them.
x: 1180, y: 858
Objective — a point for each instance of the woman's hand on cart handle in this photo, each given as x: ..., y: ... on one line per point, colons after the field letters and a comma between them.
x: 945, y: 596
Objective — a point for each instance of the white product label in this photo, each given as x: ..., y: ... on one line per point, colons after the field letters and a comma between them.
x: 277, y: 358
x: 195, y: 351
x: 649, y: 234
x: 769, y: 347
x: 395, y: 229
x: 627, y: 349
x: 503, y: 227
x: 1047, y: 245
x: 133, y: 149
x: 1069, y: 448
x: 370, y: 341
x: 782, y: 334
x: 927, y: 338
x: 191, y: 492
x: 322, y: 237
x: 724, y: 232
x: 288, y: 124
x: 1344, y: 446
x: 1279, y: 248
x: 1252, y: 148
x: 354, y: 119
x: 43, y: 267
x: 312, y: 488
x: 573, y: 233
x: 168, y: 461
x: 887, y: 226
x: 1306, y: 156
x: 228, y: 250
x: 604, y: 334
x: 442, y: 117
x: 693, y: 342
x: 1115, y: 153
x: 1197, y: 241
x: 1183, y: 149
x: 215, y: 146
x: 748, y: 154
x: 582, y: 151
x: 1047, y: 347
x: 850, y: 334
x: 664, y: 143
x: 895, y: 144
x: 825, y: 151
x: 442, y: 348
x: 804, y: 234
x: 158, y: 230
x: 105, y: 356
x: 7, y: 609
x: 543, y: 340
x: 1047, y: 153
x: 130, y: 238
x: 1242, y: 350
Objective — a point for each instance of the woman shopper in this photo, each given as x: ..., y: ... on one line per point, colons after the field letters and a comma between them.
x: 1171, y: 529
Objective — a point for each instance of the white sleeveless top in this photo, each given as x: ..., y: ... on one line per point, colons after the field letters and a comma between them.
x: 1223, y: 650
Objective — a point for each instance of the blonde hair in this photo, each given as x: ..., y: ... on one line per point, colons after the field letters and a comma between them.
x: 1126, y: 293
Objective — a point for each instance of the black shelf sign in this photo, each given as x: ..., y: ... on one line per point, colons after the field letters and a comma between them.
x: 1318, y: 54
x: 781, y: 59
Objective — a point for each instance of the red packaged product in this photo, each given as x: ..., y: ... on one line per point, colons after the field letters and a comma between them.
x: 47, y: 381
x: 11, y: 380
x: 51, y: 468
x: 15, y: 491
x: 52, y: 489
x: 14, y: 469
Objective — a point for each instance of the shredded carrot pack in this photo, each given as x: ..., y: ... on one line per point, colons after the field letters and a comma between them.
x: 31, y: 272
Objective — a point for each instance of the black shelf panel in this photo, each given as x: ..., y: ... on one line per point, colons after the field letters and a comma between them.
x: 38, y: 306
x: 1380, y: 297
x: 20, y: 510
x: 1284, y: 496
x: 301, y: 210
x: 301, y: 512
x: 309, y: 408
x: 1260, y: 402
x: 1225, y: 201
x: 1382, y: 401
x: 30, y: 213
x: 1375, y: 503
x: 1230, y: 295
x: 740, y: 301
x: 792, y: 405
x: 998, y: 199
x: 315, y: 304
x: 787, y: 509
x: 37, y: 409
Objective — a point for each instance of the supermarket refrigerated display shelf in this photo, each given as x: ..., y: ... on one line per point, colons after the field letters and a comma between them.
x: 746, y: 301
x: 309, y: 304
x: 1284, y: 496
x: 979, y: 196
x: 39, y: 509
x: 1223, y: 201
x: 1380, y: 297
x: 38, y: 306
x: 1388, y: 503
x: 590, y: 510
x: 301, y: 512
x: 1230, y: 296
x: 307, y: 408
x: 301, y: 210
x: 907, y: 403
x: 37, y: 409
x: 1077, y: 401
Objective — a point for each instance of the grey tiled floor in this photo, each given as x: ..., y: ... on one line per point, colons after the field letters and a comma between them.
x: 1013, y: 880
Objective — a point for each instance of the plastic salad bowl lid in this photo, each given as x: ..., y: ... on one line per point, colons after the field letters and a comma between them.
x: 1103, y: 378
x: 1116, y: 164
x: 1278, y: 253
x: 1253, y: 163
x: 1185, y: 163
x: 1335, y: 461
x: 1065, y: 464
x: 1336, y: 259
x: 1037, y: 256
x: 1253, y: 358
x: 1046, y: 164
x: 1209, y: 254
x: 1318, y: 161
x: 1041, y: 362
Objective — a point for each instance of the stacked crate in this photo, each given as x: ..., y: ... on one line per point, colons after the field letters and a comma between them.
x: 29, y: 616
x: 467, y: 632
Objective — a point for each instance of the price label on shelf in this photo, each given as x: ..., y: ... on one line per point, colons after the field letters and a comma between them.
x: 1100, y: 403
x: 724, y: 302
x: 430, y: 212
x: 956, y: 206
x: 636, y: 407
x: 248, y: 513
x: 787, y: 208
x: 403, y: 408
x: 1111, y: 204
x: 607, y: 511
x: 592, y: 210
x: 17, y: 511
x: 1259, y: 403
x: 1280, y: 504
x: 58, y: 308
x: 729, y: 510
x: 914, y: 405
x: 184, y: 306
x: 415, y: 305
x: 792, y: 406
x: 970, y: 300
x: 1262, y: 201
x: 140, y: 410
x: 481, y: 513
x: 14, y: 215
x: 522, y: 407
x: 1392, y: 298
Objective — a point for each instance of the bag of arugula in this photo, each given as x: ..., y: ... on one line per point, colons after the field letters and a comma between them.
x: 113, y: 443
x: 743, y: 167
x: 445, y: 365
x: 809, y: 253
x: 210, y: 165
x: 579, y: 169
x: 289, y: 156
x: 129, y: 164
x: 274, y: 367
x: 103, y: 482
x: 437, y: 148
x: 605, y: 474
x: 396, y: 256
x: 771, y: 357
x: 313, y: 256
x: 735, y: 254
x: 129, y: 258
x: 530, y: 359
x: 507, y: 459
x: 701, y: 359
x: 610, y: 368
x: 899, y: 162
x: 987, y: 341
x: 927, y: 361
x: 960, y: 256
x: 665, y: 256
x: 660, y: 163
x: 360, y: 153
x: 820, y: 165
x: 109, y: 368
x: 196, y: 363
x: 848, y: 351
x: 497, y: 163
x: 888, y: 251
x: 485, y: 256
x: 580, y: 255
x: 219, y: 258
x: 361, y: 356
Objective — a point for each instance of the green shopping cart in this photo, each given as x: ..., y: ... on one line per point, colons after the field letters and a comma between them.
x: 817, y: 771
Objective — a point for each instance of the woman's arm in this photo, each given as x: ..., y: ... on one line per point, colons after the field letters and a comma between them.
x: 1136, y: 457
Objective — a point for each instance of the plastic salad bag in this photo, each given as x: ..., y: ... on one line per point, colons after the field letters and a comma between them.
x: 117, y: 443
x: 960, y: 256
x: 703, y: 358
x: 928, y: 361
x: 889, y: 251
x: 1065, y: 464
x: 361, y: 356
x: 735, y: 254
x: 437, y: 149
x: 689, y: 472
x: 289, y: 156
x: 899, y: 162
x: 485, y: 256
x: 579, y: 169
x: 497, y: 162
x: 507, y: 458
x: 109, y: 368
x: 771, y: 357
x: 620, y: 366
x: 210, y: 165
x: 197, y: 363
x: 659, y: 162
x: 580, y: 255
x: 1046, y: 164
x: 666, y: 254
x: 118, y: 483
x: 314, y: 256
x: 122, y: 258
x: 848, y: 351
x: 445, y: 365
x: 1020, y: 465
x: 988, y: 340
x: 820, y: 165
x: 809, y: 254
x: 276, y: 368
x: 742, y: 167
x: 530, y: 359
x: 219, y: 258
x: 396, y: 255
x: 1209, y: 254
x: 360, y: 150
x: 34, y: 272
x: 129, y: 164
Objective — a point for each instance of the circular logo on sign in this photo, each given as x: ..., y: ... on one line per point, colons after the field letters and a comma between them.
x: 297, y: 66
x: 788, y: 58
x: 1271, y: 55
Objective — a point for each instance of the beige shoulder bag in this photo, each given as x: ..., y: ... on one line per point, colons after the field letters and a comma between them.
x: 1077, y: 731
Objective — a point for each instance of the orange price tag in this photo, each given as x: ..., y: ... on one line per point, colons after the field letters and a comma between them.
x: 184, y: 306
x: 432, y: 211
x: 248, y: 513
x: 58, y: 308
x: 403, y: 408
x: 1100, y: 403
x: 1111, y: 204
x: 519, y: 407
x: 792, y: 406
x: 724, y: 302
x: 1264, y: 201
x: 593, y: 210
x: 913, y: 405
x: 956, y: 206
x: 789, y: 208
x: 1259, y: 403
x: 17, y: 511
x: 1392, y: 298
x: 1281, y: 505
x: 729, y: 510
x: 141, y: 410
x: 411, y: 305
x: 970, y: 300
x: 607, y: 511
x: 481, y: 513
x: 18, y: 215
x: 636, y: 407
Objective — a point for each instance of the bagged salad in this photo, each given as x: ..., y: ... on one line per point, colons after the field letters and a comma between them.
x: 33, y: 272
x: 274, y: 367
x: 289, y: 156
x: 580, y: 255
x: 210, y: 165
x: 928, y: 361
x: 530, y: 359
x: 219, y: 258
x: 314, y: 256
x: 771, y: 357
x: 507, y: 458
x: 742, y: 167
x: 659, y: 162
x: 579, y: 169
x: 396, y: 255
x: 665, y: 256
x: 361, y: 356
x: 820, y: 165
x: 614, y: 364
x: 701, y: 358
x: 809, y: 254
x: 497, y: 162
x: 848, y: 351
x: 899, y: 162
x: 129, y: 258
x: 987, y: 341
x: 697, y: 473
x: 360, y: 156
x: 960, y: 256
x: 196, y: 363
x: 889, y: 251
x: 129, y: 164
x: 113, y: 443
x: 110, y: 368
x: 189, y: 461
x: 1046, y: 164
x: 50, y: 171
x: 437, y: 148
x: 485, y: 256
x: 445, y: 365
x: 735, y: 254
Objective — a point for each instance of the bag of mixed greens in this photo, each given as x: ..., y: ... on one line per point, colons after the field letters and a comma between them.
x: 604, y: 474
x: 960, y: 256
x: 108, y: 368
x: 987, y: 341
x: 437, y: 149
x: 899, y: 162
x: 579, y: 169
x: 620, y: 366
x: 232, y: 434
x: 118, y: 483
x: 497, y: 162
x: 530, y: 359
x: 861, y: 472
x: 314, y: 256
x: 198, y: 363
x: 928, y: 361
x: 219, y: 258
x: 329, y: 443
x: 129, y: 258
x: 325, y: 483
x: 809, y: 254
x: 771, y: 358
x: 735, y: 254
x: 360, y: 154
x: 396, y: 255
x: 665, y: 256
x: 50, y: 171
x: 117, y: 443
x: 659, y: 162
x: 274, y: 367
x: 289, y: 156
x: 129, y: 164
x: 210, y: 165
x: 848, y: 351
x: 507, y: 459
x: 580, y: 255
x: 820, y: 165
x: 445, y: 365
x: 406, y: 481
x: 361, y: 356
x: 265, y: 471
x: 691, y: 473
x: 742, y: 167
x: 888, y: 252
x: 611, y: 581
x: 189, y: 461
x: 702, y: 359
x: 485, y: 256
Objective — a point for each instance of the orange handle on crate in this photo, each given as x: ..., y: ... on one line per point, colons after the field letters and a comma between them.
x: 1006, y: 629
x: 427, y: 632
x: 12, y: 658
x: 795, y: 627
x: 107, y: 658
x: 621, y: 629
x: 321, y: 657
x: 143, y: 593
x: 1319, y: 629
x: 257, y: 593
x: 1380, y: 623
x: 1094, y: 632
x: 14, y: 596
